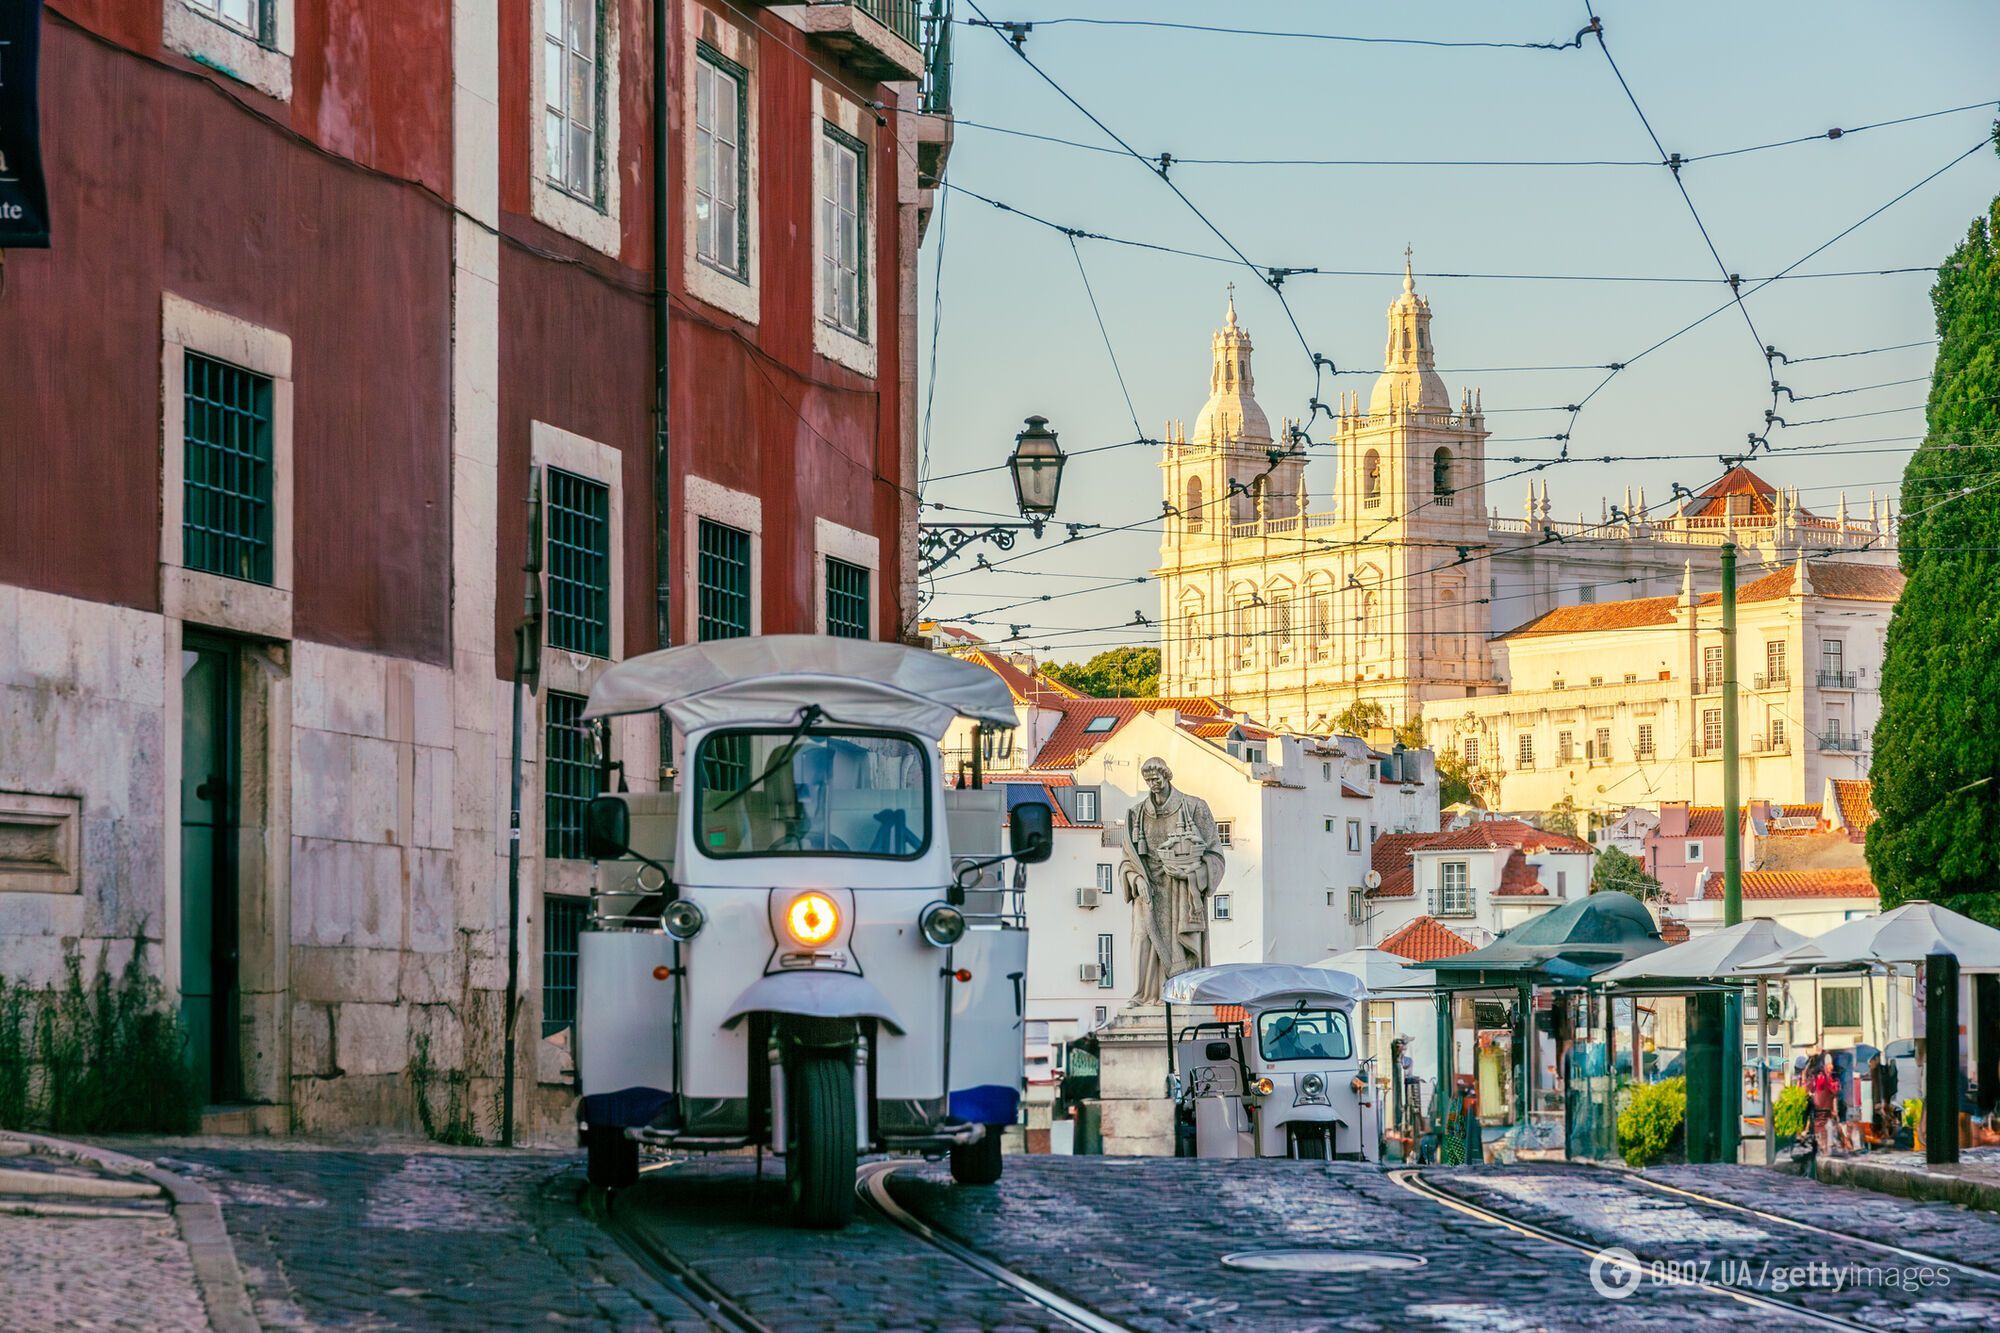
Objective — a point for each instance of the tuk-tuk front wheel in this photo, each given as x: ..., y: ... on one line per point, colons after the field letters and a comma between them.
x: 612, y: 1160
x: 977, y: 1163
x: 819, y: 1152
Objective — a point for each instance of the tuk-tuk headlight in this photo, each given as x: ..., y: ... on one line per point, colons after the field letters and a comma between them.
x: 683, y: 919
x: 942, y: 924
x: 1261, y: 1086
x: 1312, y: 1085
x: 813, y: 919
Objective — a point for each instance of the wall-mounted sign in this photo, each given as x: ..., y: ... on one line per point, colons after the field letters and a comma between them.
x: 24, y: 197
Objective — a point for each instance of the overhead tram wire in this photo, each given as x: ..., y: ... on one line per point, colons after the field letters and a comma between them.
x: 1217, y: 30
x: 1138, y: 431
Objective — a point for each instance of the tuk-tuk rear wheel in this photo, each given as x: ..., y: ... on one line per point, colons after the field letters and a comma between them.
x: 977, y: 1163
x: 819, y: 1158
x: 612, y: 1160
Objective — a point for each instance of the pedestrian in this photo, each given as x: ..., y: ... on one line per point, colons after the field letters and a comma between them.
x: 1823, y: 1088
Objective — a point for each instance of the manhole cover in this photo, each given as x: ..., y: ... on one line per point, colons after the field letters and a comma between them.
x: 1322, y: 1261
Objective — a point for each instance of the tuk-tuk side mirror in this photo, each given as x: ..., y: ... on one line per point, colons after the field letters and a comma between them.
x: 1031, y: 832
x: 607, y: 828
x: 1220, y: 1050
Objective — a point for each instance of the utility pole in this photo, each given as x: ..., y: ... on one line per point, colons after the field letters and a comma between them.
x: 1732, y: 796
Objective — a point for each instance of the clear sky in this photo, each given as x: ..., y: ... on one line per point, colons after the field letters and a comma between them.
x: 1016, y: 333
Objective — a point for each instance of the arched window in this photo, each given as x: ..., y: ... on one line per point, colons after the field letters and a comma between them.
x: 1192, y: 510
x: 1371, y: 479
x: 1322, y: 624
x: 1191, y: 635
x: 1244, y: 630
x: 1441, y: 477
x: 1369, y: 625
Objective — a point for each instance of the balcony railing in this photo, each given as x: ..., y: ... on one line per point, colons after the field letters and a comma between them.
x: 902, y: 17
x: 936, y: 46
x: 1839, y: 680
x: 879, y: 39
x: 1835, y: 742
x: 1773, y: 680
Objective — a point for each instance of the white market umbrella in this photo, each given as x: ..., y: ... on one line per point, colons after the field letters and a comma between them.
x: 1904, y: 936
x: 1715, y: 956
x: 1378, y: 969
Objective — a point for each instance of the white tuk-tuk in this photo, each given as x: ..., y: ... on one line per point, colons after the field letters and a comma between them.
x: 1286, y: 1079
x: 789, y: 952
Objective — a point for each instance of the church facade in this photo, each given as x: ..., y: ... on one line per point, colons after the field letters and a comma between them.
x: 1290, y: 603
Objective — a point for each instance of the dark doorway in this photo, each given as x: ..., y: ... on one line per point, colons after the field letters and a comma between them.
x: 211, y: 749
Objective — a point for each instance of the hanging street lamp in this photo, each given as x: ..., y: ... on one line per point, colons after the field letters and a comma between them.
x: 1036, y: 466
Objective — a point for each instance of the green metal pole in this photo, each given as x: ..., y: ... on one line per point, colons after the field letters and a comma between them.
x: 1732, y: 796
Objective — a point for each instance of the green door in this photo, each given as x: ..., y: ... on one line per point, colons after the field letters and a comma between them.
x: 210, y: 744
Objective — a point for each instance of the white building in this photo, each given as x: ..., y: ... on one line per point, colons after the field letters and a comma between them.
x: 1617, y: 704
x: 1476, y: 881
x: 1297, y: 815
x: 1392, y: 590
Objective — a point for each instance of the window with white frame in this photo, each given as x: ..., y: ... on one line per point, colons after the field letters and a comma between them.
x: 1777, y: 729
x: 1603, y: 739
x: 248, y: 17
x: 1455, y: 889
x: 1104, y: 873
x: 573, y: 97
x: 249, y: 41
x: 1711, y: 667
x: 1526, y: 744
x: 1565, y: 746
x: 1353, y: 835
x: 1219, y: 907
x: 1357, y: 905
x: 1693, y: 853
x: 1104, y: 948
x: 721, y: 167
x: 1471, y: 752
x: 1223, y: 832
x: 1086, y: 806
x: 1711, y: 730
x: 843, y: 207
x: 1646, y: 740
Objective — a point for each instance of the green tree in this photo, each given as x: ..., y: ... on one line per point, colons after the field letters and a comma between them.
x: 1561, y: 818
x: 1410, y: 731
x: 1454, y: 779
x: 1621, y: 872
x: 1118, y: 673
x: 1937, y: 752
x: 1359, y: 718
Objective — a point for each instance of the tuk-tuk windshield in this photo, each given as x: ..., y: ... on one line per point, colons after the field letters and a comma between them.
x: 812, y: 791
x: 1304, y: 1034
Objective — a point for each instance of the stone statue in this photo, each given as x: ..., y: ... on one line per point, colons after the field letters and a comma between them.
x: 1172, y: 863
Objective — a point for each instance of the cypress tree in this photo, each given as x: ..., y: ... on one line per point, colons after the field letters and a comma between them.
x: 1937, y: 748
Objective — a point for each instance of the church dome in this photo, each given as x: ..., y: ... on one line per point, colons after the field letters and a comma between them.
x: 1409, y: 378
x: 1231, y: 412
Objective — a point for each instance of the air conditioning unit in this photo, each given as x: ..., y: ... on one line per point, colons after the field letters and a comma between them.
x: 1087, y: 897
x: 1089, y: 972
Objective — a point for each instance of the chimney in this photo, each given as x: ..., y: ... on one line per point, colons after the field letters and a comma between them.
x: 1673, y: 819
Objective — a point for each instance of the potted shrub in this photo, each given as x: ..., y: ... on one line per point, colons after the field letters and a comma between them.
x: 1649, y: 1127
x: 1913, y: 1120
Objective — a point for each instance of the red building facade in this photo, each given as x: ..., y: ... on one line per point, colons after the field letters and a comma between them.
x: 330, y: 283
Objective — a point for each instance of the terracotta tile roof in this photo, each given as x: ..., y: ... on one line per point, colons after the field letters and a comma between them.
x: 958, y: 634
x: 1842, y: 883
x: 1829, y: 578
x: 1738, y: 481
x: 1072, y: 740
x: 1493, y: 834
x: 1346, y: 790
x: 1425, y: 940
x: 1856, y: 799
x: 1038, y: 688
x: 1390, y: 858
x: 1705, y: 821
x: 1673, y: 931
x: 1044, y: 783
x: 1519, y: 880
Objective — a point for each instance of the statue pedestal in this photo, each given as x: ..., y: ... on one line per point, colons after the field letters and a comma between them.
x: 1138, y: 1118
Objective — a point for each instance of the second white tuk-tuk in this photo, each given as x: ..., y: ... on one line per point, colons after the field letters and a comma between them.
x: 789, y: 952
x: 1283, y: 1080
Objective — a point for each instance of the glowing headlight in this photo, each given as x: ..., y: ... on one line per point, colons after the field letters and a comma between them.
x: 1312, y: 1085
x: 812, y: 918
x: 942, y: 924
x: 1261, y: 1086
x: 683, y: 919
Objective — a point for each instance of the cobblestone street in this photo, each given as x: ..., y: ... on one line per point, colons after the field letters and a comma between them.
x: 415, y: 1236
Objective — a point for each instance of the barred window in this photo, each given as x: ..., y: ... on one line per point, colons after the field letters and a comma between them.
x: 226, y: 497
x: 579, y: 564
x: 722, y: 582
x: 847, y: 611
x: 562, y: 921
x: 570, y: 777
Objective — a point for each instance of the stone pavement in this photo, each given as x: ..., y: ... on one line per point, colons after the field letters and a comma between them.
x: 415, y: 1236
x: 1142, y: 1241
x: 1974, y: 1180
x: 88, y: 1248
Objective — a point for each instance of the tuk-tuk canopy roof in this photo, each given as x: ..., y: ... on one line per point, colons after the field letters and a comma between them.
x: 1563, y: 946
x: 1715, y: 956
x: 1262, y: 985
x: 770, y: 679
x: 1899, y: 938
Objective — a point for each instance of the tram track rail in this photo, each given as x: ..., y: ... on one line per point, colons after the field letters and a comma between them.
x: 1979, y: 1271
x: 672, y: 1272
x: 1414, y: 1182
x: 871, y: 1184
